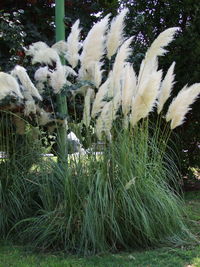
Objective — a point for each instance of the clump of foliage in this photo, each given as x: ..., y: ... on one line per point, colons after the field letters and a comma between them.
x: 107, y: 201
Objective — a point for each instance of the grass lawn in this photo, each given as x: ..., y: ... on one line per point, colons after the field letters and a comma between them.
x: 13, y: 256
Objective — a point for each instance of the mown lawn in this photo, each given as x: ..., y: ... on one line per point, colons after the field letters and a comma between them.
x: 13, y: 256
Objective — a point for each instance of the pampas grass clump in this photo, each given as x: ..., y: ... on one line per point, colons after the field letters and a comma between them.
x: 124, y: 197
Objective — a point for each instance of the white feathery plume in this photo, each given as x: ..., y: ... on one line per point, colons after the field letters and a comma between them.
x: 69, y: 71
x: 35, y: 47
x: 60, y: 47
x: 166, y: 88
x: 115, y: 35
x: 163, y: 39
x: 47, y: 56
x: 26, y: 93
x: 87, y: 106
x: 145, y: 99
x: 118, y: 66
x: 8, y: 86
x: 99, y: 101
x: 73, y: 45
x: 29, y: 107
x: 108, y: 115
x: 147, y: 67
x: 150, y: 62
x: 129, y: 82
x: 58, y: 78
x: 22, y: 75
x: 181, y: 104
x: 41, y: 74
x: 97, y: 74
x: 93, y: 47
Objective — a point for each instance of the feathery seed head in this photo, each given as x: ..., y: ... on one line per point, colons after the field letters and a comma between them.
x: 87, y: 106
x: 145, y: 99
x: 60, y: 47
x: 73, y: 45
x: 99, y: 101
x: 94, y: 46
x: 47, y: 56
x: 29, y: 107
x: 35, y: 47
x: 181, y: 104
x: 41, y: 74
x: 166, y: 88
x: 8, y: 86
x: 129, y: 82
x: 115, y: 35
x: 163, y: 39
x: 25, y: 80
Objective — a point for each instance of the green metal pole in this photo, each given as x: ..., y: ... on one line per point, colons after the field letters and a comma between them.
x: 61, y: 100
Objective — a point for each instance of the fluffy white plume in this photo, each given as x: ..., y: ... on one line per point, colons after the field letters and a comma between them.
x: 108, y: 115
x: 41, y: 74
x: 145, y: 99
x: 97, y: 74
x: 87, y: 107
x: 69, y: 71
x: 93, y: 47
x: 60, y: 47
x: 47, y: 56
x: 163, y: 39
x: 73, y: 45
x: 150, y: 62
x: 118, y: 67
x: 99, y: 101
x: 115, y: 36
x: 166, y: 88
x: 22, y: 75
x: 58, y: 78
x: 29, y: 107
x: 8, y: 86
x: 146, y: 69
x: 181, y: 104
x: 128, y: 88
x: 35, y: 47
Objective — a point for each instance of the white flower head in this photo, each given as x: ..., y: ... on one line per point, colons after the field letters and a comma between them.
x: 41, y: 74
x: 29, y: 107
x: 25, y: 80
x: 35, y: 47
x: 115, y: 35
x: 8, y: 86
x: 60, y: 47
x: 73, y: 45
x: 47, y: 56
x: 181, y: 104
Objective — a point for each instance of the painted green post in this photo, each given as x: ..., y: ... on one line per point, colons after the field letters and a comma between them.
x: 61, y: 100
